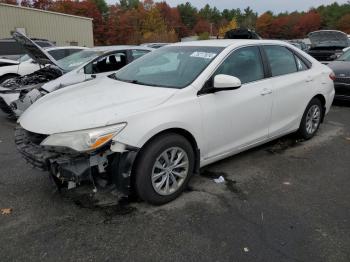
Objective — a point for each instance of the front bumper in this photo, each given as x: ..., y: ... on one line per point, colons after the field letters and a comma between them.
x: 77, y: 167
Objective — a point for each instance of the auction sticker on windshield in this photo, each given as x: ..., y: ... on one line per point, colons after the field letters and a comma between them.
x: 203, y: 55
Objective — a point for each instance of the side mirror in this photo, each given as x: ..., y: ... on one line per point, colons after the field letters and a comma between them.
x: 226, y: 82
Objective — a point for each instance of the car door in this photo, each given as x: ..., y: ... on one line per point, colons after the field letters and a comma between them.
x: 235, y: 119
x: 105, y: 65
x: 292, y: 88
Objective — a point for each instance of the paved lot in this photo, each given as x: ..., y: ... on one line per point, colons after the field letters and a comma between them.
x: 285, y: 201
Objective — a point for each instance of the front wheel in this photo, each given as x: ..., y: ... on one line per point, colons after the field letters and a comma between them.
x: 311, y: 119
x: 164, y: 168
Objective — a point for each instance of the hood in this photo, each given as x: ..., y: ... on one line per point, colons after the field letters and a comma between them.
x: 329, y: 38
x: 91, y: 104
x: 8, y: 62
x: 37, y: 53
x: 340, y: 68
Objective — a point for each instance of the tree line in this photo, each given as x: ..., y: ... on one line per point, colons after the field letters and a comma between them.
x: 135, y: 22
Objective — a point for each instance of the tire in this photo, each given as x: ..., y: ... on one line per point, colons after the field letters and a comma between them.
x: 6, y: 77
x: 311, y: 119
x: 151, y: 164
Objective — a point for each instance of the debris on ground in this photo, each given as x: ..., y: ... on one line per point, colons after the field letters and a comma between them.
x: 245, y: 249
x: 6, y: 211
x: 287, y: 183
x: 346, y: 138
x: 219, y: 180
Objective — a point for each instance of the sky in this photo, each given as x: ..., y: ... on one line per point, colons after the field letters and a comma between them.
x: 259, y: 6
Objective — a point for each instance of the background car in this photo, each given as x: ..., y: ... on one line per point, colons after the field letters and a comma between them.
x: 341, y: 69
x: 10, y: 49
x: 327, y: 45
x: 79, y: 67
x: 26, y: 65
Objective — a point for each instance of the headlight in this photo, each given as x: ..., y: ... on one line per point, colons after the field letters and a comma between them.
x: 84, y: 140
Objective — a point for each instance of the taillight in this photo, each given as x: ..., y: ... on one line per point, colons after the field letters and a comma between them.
x: 332, y: 76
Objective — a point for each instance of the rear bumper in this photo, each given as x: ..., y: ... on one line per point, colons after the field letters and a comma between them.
x: 76, y: 168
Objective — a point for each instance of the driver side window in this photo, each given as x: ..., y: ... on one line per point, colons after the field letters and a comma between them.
x: 245, y: 64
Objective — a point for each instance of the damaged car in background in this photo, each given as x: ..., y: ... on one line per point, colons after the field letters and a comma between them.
x: 327, y: 45
x: 17, y: 94
x: 149, y: 127
x: 26, y: 65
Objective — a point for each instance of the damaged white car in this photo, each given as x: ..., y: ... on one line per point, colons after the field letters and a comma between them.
x: 17, y: 94
x: 149, y: 127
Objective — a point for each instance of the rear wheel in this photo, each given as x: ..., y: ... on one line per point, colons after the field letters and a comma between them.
x: 164, y: 168
x: 311, y: 119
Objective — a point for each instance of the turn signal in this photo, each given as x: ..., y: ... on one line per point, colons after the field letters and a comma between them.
x: 101, y: 140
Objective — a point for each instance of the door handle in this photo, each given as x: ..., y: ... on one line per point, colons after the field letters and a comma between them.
x: 266, y: 91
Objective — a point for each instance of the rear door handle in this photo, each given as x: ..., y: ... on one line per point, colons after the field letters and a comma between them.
x: 266, y: 91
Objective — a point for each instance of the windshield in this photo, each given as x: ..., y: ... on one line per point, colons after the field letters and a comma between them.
x: 169, y: 66
x: 73, y: 61
x: 345, y: 56
x: 23, y: 58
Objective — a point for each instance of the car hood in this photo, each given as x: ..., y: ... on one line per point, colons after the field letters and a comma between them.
x: 91, y: 104
x: 37, y: 53
x: 340, y: 68
x: 328, y: 37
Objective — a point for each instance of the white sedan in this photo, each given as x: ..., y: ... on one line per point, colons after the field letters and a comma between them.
x: 149, y: 127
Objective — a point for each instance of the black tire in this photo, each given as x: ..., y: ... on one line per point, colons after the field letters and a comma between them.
x: 146, y: 160
x: 6, y: 77
x: 303, y: 129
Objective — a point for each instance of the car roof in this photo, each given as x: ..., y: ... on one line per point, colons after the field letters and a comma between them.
x: 64, y: 47
x: 120, y: 47
x: 229, y: 42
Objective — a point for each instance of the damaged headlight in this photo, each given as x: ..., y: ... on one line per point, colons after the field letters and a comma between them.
x: 84, y: 140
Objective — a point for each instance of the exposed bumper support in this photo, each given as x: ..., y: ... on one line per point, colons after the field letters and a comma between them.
x: 77, y: 168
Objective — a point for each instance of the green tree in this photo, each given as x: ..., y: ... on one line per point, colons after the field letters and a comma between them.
x: 188, y: 14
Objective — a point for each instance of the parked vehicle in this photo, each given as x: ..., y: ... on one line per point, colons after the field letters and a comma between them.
x: 241, y: 33
x: 150, y: 126
x: 341, y: 68
x: 299, y: 44
x: 10, y: 49
x: 327, y: 45
x: 25, y: 65
x: 17, y: 94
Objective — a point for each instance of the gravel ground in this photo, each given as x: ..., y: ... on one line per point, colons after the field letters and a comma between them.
x: 284, y: 201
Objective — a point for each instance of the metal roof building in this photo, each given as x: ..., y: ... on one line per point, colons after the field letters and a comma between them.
x: 60, y: 28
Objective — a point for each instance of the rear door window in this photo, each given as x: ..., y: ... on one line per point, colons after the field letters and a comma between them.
x: 281, y: 60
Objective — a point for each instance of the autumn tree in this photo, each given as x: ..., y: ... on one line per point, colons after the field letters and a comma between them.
x: 307, y: 23
x: 231, y: 25
x: 344, y: 24
x: 263, y: 24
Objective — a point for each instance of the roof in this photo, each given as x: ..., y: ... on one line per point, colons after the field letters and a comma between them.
x: 44, y: 11
x: 64, y: 47
x: 227, y: 42
x: 119, y: 47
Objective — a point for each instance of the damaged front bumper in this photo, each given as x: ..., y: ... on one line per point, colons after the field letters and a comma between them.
x: 73, y: 168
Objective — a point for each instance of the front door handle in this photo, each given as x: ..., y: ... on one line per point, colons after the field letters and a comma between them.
x: 266, y: 91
